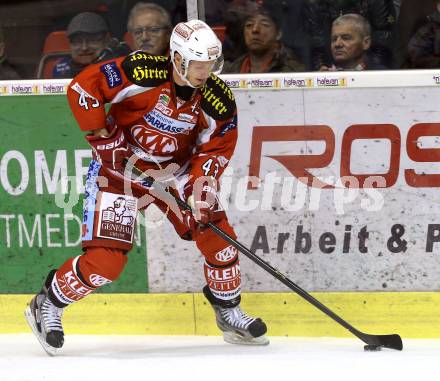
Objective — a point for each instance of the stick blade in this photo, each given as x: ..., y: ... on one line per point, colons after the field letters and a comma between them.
x: 387, y: 341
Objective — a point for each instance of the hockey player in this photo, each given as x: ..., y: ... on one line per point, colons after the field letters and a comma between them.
x: 164, y: 111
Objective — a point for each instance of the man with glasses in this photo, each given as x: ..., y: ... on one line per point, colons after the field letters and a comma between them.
x: 90, y: 42
x: 150, y: 26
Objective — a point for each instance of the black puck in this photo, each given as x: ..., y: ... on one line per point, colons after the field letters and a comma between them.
x: 372, y: 348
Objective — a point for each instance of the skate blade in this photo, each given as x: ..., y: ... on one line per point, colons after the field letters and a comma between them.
x: 51, y: 351
x: 235, y: 338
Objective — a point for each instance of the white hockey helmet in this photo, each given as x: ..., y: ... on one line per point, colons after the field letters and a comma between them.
x: 194, y: 40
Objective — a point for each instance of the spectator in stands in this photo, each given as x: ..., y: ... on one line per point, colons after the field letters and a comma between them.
x: 412, y: 16
x: 7, y: 71
x: 424, y: 46
x: 235, y: 14
x: 380, y: 14
x: 350, y: 42
x: 265, y: 51
x: 90, y: 42
x: 150, y: 27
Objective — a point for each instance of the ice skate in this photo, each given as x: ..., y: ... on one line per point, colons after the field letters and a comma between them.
x: 237, y: 327
x: 44, y: 318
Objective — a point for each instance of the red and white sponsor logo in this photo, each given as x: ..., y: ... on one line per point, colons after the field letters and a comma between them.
x: 226, y: 254
x: 69, y: 288
x: 153, y: 141
x: 225, y: 280
x: 163, y: 109
x: 223, y: 274
x: 184, y: 31
x: 98, y: 280
x: 301, y: 166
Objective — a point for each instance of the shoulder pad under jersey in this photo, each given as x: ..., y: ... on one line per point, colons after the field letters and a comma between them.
x: 217, y: 99
x: 146, y: 70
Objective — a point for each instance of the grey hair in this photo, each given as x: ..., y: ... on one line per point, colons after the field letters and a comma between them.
x: 359, y: 21
x: 148, y: 7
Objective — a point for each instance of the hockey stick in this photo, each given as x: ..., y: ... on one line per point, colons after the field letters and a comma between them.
x: 374, y: 342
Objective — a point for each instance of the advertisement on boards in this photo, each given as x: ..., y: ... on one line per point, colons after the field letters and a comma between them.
x: 44, y: 160
x: 338, y: 189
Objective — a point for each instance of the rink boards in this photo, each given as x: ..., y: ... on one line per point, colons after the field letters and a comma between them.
x: 334, y: 182
x: 410, y: 314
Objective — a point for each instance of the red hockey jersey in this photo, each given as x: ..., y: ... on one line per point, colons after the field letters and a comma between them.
x: 199, y: 134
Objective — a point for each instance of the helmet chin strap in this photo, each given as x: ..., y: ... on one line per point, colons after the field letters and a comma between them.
x: 183, y: 76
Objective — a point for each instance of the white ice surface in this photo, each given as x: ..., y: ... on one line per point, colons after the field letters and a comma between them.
x: 108, y: 358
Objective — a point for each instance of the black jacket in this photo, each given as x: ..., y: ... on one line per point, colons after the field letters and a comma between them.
x: 424, y: 46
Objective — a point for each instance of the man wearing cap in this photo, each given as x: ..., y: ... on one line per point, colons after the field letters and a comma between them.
x: 89, y: 39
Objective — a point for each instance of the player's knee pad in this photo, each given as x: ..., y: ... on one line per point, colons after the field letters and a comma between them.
x: 80, y: 276
x: 101, y: 265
